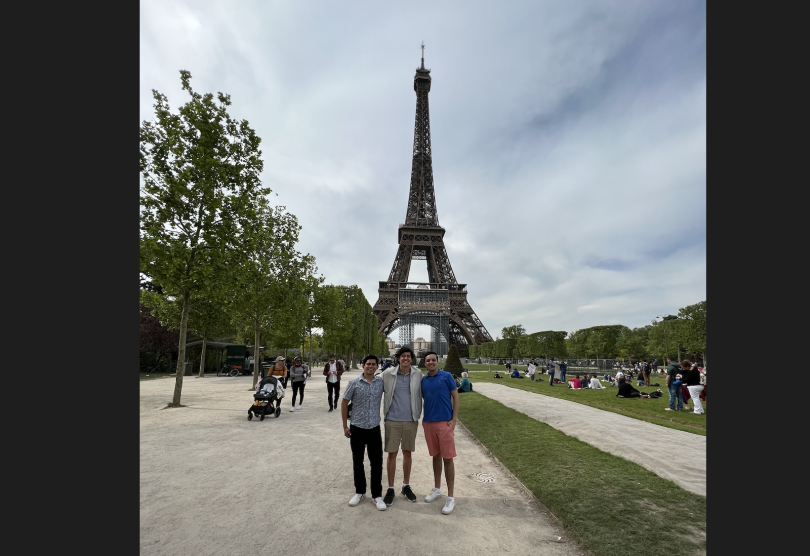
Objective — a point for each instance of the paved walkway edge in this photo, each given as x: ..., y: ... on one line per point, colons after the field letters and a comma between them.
x: 671, y: 454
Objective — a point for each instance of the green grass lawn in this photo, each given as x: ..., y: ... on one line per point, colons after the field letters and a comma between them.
x: 650, y: 410
x: 610, y: 505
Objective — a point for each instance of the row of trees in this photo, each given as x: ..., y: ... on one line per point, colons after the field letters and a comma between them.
x: 215, y: 258
x: 674, y: 335
x: 549, y: 343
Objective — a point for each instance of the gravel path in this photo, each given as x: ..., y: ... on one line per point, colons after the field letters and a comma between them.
x: 672, y: 454
x: 213, y: 483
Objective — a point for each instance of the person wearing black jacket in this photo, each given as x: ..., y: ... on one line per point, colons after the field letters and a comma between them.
x: 691, y: 378
x: 626, y: 390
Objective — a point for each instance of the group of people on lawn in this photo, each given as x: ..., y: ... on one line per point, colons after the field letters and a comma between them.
x: 684, y: 381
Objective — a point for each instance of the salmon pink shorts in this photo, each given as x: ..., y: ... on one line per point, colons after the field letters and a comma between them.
x: 440, y: 437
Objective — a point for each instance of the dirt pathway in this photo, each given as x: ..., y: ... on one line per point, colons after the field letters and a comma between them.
x: 672, y: 454
x: 212, y: 483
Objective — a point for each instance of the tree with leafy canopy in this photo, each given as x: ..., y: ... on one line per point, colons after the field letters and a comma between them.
x: 155, y: 337
x: 207, y: 317
x: 692, y: 332
x: 513, y: 332
x: 453, y: 363
x: 271, y: 279
x: 200, y: 187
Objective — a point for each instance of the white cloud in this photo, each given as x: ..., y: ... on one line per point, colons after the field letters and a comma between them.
x: 568, y: 139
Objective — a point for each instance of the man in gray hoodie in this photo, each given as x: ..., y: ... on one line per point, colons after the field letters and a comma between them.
x: 402, y: 407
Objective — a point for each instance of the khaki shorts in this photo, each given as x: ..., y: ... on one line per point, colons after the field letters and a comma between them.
x: 400, y: 433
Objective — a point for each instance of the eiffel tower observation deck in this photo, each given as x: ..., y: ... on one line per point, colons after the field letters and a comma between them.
x: 442, y: 302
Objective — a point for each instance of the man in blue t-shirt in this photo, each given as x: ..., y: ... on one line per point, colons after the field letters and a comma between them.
x: 439, y: 424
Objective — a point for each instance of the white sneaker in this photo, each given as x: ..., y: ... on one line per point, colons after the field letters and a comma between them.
x: 448, y: 507
x: 356, y: 499
x: 380, y: 503
x: 433, y: 494
x: 292, y: 408
x: 299, y: 407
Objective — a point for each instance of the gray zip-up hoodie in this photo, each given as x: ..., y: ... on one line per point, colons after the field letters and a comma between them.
x: 298, y: 374
x: 389, y: 377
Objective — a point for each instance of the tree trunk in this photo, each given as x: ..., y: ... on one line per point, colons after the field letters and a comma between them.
x: 202, y: 357
x: 310, y: 348
x: 256, y: 352
x: 181, y: 352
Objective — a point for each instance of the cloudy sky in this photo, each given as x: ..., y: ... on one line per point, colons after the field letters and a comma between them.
x: 569, y: 139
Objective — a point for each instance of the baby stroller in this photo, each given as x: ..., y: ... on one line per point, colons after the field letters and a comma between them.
x: 267, y: 399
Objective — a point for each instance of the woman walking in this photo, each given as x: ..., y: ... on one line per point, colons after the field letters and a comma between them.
x: 299, y: 374
x: 692, y: 380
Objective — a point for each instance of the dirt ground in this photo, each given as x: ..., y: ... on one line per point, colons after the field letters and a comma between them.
x: 214, y: 483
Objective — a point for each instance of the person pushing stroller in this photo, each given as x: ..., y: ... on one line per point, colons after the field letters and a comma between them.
x: 267, y: 399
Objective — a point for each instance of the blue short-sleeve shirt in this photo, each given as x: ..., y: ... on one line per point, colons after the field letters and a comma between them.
x: 436, y: 394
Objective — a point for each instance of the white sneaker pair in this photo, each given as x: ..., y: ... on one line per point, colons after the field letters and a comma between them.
x: 359, y: 497
x: 448, y: 505
x: 293, y: 408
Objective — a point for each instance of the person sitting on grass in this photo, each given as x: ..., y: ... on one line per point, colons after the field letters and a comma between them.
x: 516, y: 374
x: 497, y: 375
x: 626, y: 390
x: 465, y: 385
x: 595, y: 384
x: 575, y: 383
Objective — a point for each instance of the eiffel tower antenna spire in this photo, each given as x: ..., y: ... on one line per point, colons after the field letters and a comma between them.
x: 442, y: 301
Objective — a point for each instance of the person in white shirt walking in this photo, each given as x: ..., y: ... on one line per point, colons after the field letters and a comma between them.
x: 332, y: 371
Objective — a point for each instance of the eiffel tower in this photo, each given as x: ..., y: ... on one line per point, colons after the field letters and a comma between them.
x: 441, y: 302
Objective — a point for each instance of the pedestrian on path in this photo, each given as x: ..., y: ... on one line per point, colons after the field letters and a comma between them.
x: 402, y: 407
x: 299, y: 374
x: 365, y: 393
x: 674, y: 369
x: 333, y: 370
x: 439, y: 423
x: 279, y: 371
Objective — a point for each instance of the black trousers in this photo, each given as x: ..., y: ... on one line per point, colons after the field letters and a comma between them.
x: 333, y: 387
x: 370, y: 440
x: 298, y: 387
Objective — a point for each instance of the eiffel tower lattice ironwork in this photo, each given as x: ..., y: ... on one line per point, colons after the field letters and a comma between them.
x: 441, y: 302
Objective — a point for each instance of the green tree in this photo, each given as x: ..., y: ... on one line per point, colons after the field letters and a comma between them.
x: 692, y: 332
x: 199, y: 185
x: 207, y: 317
x: 270, y: 281
x: 453, y: 363
x: 513, y: 332
x: 633, y: 343
x: 333, y: 317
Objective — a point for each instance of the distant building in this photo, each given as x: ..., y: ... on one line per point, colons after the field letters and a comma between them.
x: 392, y: 347
x: 420, y: 344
